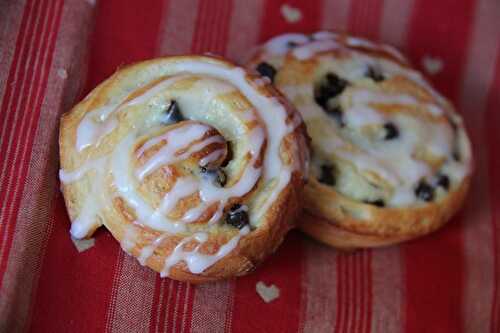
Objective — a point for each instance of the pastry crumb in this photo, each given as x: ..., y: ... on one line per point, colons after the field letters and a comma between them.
x: 83, y: 244
x: 267, y: 293
x: 62, y: 73
x: 432, y: 65
x: 291, y: 14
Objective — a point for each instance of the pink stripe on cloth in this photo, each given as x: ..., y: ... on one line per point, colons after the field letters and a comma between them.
x: 33, y: 215
x: 494, y: 140
x: 12, y: 173
x: 478, y: 80
x: 243, y: 29
x: 212, y: 26
x: 12, y: 12
x: 15, y: 85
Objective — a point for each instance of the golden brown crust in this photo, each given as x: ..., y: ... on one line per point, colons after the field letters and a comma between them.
x: 121, y: 219
x: 387, y: 226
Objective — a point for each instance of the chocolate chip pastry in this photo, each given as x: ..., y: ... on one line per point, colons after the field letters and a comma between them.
x: 391, y: 159
x: 193, y: 164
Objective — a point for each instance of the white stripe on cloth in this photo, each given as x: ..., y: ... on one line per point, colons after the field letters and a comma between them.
x: 177, y: 27
x: 34, y: 223
x: 388, y: 291
x: 335, y: 15
x: 394, y: 28
x: 212, y: 307
x: 478, y: 77
x: 135, y: 295
x: 319, y: 286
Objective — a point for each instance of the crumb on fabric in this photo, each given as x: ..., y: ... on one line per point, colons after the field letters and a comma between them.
x: 83, y: 244
x: 62, y: 73
x: 267, y: 293
x: 432, y: 65
x: 291, y: 14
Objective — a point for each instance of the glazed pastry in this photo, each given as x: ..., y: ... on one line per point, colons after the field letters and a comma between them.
x: 194, y: 165
x: 391, y: 160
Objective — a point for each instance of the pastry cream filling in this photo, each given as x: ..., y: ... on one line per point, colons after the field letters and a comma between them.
x: 214, y: 80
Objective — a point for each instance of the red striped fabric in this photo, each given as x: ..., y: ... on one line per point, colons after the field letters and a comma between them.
x: 493, y: 137
x: 54, y: 51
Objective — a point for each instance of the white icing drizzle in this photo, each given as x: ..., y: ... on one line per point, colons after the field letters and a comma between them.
x: 125, y: 185
x: 129, y: 238
x: 197, y: 262
x: 87, y: 220
x: 213, y: 156
x: 306, y: 51
x: 395, y: 163
x: 68, y: 177
x: 183, y: 187
x: 148, y: 250
x: 322, y: 41
x: 280, y: 45
x: 177, y: 139
x: 96, y: 124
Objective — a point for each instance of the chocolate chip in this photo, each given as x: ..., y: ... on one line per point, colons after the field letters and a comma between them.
x: 374, y: 74
x: 378, y: 202
x: 216, y: 175
x: 330, y: 87
x: 291, y: 44
x: 266, y: 70
x: 173, y: 114
x: 391, y: 131
x: 237, y: 216
x: 424, y: 191
x: 337, y: 114
x: 456, y: 156
x: 443, y: 181
x: 327, y: 175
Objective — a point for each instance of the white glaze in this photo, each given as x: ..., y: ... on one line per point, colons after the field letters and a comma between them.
x: 96, y: 126
x: 280, y: 45
x: 176, y: 139
x: 397, y: 165
x: 196, y: 261
x: 98, y: 123
x: 125, y: 185
x: 212, y: 157
x: 68, y: 177
x: 308, y: 50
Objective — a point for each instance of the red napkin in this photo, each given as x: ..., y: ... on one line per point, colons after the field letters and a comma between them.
x: 52, y: 52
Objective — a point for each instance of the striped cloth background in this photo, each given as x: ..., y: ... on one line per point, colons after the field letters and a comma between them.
x: 54, y: 51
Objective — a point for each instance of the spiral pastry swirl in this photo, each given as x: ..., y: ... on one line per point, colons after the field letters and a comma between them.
x: 193, y: 164
x: 391, y: 159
